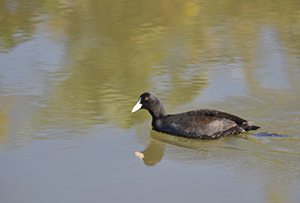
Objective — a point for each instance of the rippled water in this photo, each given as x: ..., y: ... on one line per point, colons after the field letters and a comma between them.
x: 72, y: 70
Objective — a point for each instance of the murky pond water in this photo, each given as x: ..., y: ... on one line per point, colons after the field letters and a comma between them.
x: 72, y: 70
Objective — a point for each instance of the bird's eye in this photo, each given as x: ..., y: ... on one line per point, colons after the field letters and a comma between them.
x: 146, y: 98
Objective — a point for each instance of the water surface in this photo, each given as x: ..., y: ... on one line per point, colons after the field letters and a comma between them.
x: 72, y: 70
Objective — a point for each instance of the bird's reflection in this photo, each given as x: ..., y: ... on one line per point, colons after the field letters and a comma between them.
x: 199, y: 150
x: 153, y: 154
x: 247, y: 156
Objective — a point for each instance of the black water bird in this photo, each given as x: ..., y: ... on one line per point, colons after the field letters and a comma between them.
x: 200, y: 124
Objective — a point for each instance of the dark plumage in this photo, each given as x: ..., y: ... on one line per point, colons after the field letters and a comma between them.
x: 201, y: 124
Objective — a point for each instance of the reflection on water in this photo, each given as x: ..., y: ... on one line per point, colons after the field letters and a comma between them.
x: 262, y: 145
x: 71, y: 70
x: 152, y: 155
x: 252, y: 158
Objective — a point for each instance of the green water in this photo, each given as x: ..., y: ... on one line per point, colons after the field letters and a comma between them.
x: 71, y: 72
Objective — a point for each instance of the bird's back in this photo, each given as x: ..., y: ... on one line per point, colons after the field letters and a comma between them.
x: 202, y: 123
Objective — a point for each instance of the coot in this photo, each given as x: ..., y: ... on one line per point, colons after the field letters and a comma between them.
x: 201, y: 124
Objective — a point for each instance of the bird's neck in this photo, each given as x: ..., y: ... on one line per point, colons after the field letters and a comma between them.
x: 157, y: 118
x: 158, y: 113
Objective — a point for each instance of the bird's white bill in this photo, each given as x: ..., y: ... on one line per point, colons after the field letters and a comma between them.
x: 137, y: 106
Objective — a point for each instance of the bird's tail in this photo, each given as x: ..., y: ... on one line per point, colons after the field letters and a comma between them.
x: 247, y: 126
